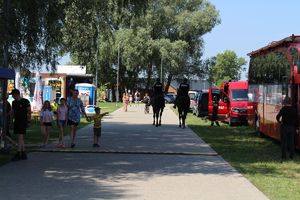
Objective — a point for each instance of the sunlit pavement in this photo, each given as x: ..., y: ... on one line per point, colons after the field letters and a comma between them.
x: 136, y: 160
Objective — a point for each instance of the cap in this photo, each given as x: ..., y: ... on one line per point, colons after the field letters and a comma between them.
x: 15, y: 91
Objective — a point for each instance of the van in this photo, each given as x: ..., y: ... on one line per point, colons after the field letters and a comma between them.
x: 200, y: 108
x: 233, y: 102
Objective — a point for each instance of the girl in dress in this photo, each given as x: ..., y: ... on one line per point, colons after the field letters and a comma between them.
x: 62, y: 116
x: 46, y: 117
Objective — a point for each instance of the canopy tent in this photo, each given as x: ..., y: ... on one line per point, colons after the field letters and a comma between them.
x: 6, y: 73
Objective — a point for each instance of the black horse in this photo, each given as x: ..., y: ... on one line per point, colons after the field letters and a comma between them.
x: 183, y: 105
x: 158, y: 105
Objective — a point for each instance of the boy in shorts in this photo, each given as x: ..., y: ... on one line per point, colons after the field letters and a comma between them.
x: 21, y: 113
x: 97, y: 125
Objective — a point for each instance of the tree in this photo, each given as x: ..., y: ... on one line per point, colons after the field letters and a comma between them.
x: 30, y: 32
x: 164, y: 28
x: 228, y: 66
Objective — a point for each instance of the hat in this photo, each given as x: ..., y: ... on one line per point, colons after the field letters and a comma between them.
x: 287, y: 101
x: 15, y: 91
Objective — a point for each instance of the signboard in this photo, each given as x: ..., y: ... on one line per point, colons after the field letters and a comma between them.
x: 71, y: 69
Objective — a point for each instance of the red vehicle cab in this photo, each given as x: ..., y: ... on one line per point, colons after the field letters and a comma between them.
x: 233, y: 102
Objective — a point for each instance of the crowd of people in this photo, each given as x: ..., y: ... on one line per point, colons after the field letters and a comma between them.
x: 68, y: 112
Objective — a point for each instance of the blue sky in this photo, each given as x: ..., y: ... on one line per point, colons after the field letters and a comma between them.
x: 247, y: 25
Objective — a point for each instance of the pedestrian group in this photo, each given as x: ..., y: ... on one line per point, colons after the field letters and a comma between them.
x: 68, y: 112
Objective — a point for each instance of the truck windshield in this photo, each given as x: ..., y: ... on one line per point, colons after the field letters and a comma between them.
x: 239, y: 95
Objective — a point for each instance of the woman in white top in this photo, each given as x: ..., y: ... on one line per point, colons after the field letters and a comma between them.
x: 62, y: 116
x: 46, y: 117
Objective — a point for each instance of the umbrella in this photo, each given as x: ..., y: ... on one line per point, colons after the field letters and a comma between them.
x: 37, y: 97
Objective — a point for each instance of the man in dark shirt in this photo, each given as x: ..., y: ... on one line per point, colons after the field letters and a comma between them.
x: 21, y: 113
x: 183, y: 90
x: 214, y: 117
x: 157, y: 88
x: 288, y: 126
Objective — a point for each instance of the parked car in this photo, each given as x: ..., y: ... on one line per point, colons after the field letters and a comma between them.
x: 169, y: 97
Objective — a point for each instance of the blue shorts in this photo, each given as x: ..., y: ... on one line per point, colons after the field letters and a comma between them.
x: 62, y: 123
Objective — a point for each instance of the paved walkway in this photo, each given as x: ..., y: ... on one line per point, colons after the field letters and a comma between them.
x: 135, y: 161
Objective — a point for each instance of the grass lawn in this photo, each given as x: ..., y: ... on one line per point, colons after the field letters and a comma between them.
x: 256, y: 158
x: 33, y: 135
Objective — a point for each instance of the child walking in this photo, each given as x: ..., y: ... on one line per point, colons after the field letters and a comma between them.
x: 46, y: 116
x: 97, y: 125
x: 62, y: 116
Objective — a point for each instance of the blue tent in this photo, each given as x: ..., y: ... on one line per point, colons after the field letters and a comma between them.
x: 6, y: 73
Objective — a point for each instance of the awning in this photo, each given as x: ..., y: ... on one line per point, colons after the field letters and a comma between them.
x: 7, y: 73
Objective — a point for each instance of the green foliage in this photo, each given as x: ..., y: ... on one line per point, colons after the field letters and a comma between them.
x: 168, y: 31
x: 269, y: 68
x: 36, y: 32
x: 228, y: 66
x: 30, y: 32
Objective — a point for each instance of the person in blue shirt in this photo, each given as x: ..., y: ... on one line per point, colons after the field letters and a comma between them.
x: 75, y: 109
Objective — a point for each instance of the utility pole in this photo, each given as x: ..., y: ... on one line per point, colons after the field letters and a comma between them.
x: 161, y: 69
x: 118, y: 69
x: 97, y: 52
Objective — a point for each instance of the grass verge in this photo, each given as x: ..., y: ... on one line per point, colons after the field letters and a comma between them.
x: 258, y: 159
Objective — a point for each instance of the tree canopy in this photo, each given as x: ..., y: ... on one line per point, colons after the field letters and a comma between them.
x: 149, y: 34
x: 226, y: 66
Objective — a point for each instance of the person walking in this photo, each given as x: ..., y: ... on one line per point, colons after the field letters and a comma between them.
x: 214, y: 117
x: 130, y: 99
x: 21, y: 114
x: 288, y: 120
x: 46, y: 117
x: 146, y: 101
x: 75, y: 109
x: 62, y: 116
x: 137, y: 96
x: 97, y: 125
x: 125, y: 99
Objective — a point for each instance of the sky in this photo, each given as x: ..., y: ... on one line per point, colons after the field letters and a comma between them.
x: 247, y: 25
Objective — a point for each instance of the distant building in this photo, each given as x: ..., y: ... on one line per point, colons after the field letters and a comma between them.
x: 194, y: 85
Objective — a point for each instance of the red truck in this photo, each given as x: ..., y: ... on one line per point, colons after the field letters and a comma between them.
x: 234, y: 106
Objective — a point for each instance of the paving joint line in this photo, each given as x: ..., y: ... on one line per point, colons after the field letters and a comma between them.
x: 122, y: 152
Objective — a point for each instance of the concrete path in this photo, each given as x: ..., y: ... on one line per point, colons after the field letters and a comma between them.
x: 135, y: 161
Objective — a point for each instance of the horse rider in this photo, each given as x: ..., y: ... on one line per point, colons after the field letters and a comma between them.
x: 183, y: 90
x: 157, y: 88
